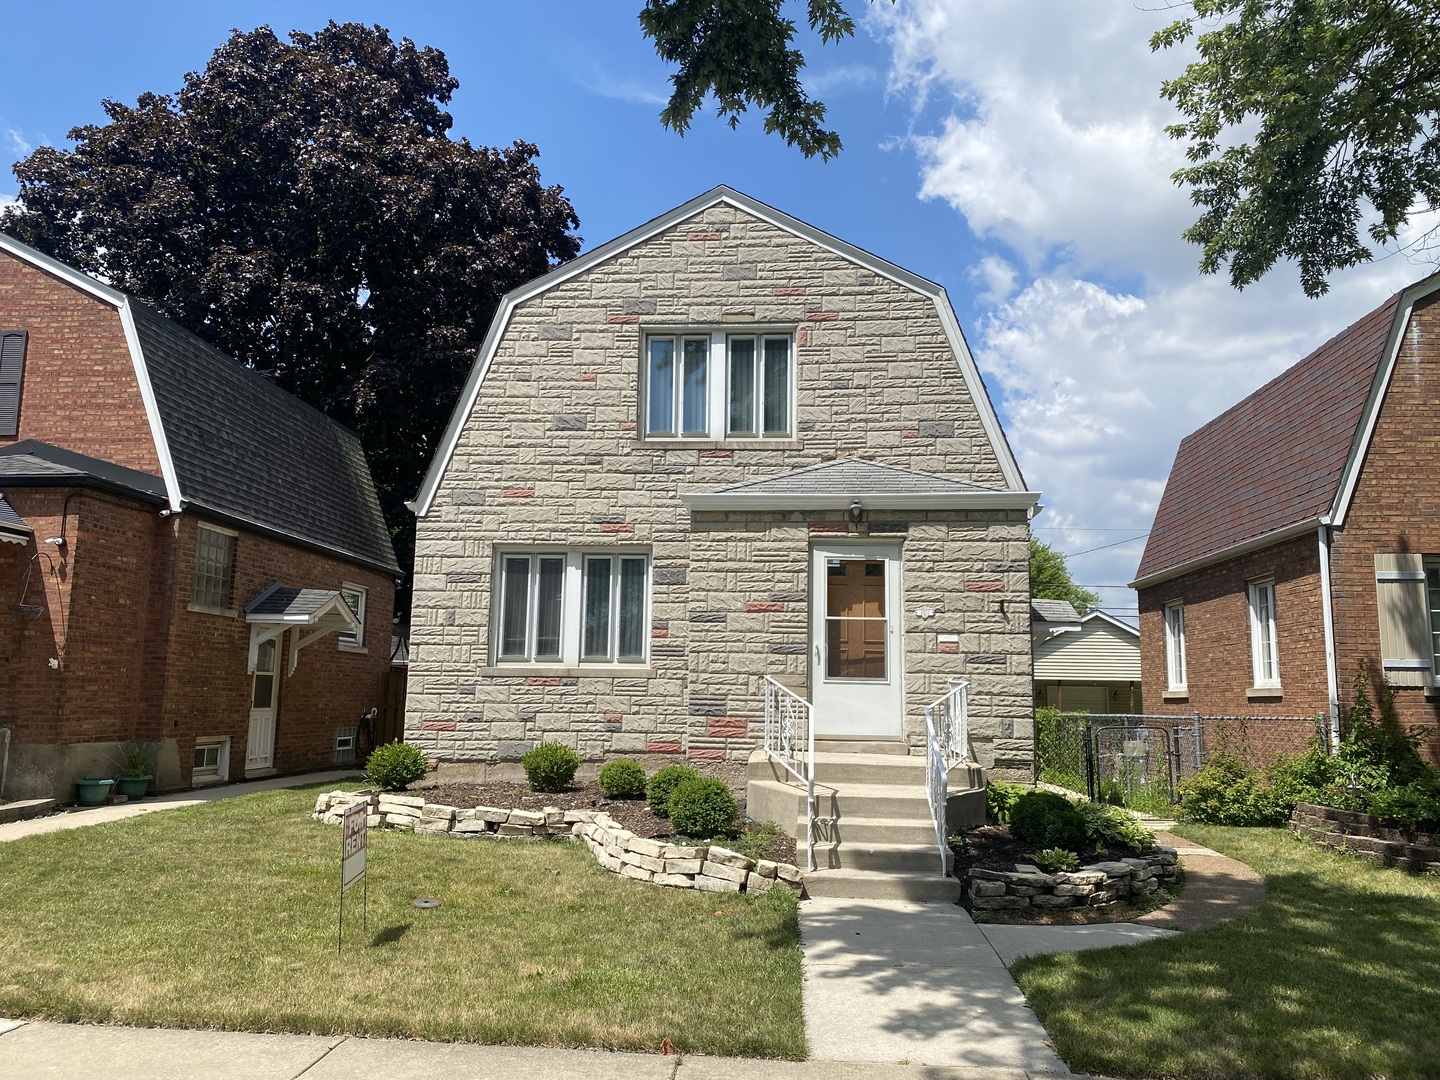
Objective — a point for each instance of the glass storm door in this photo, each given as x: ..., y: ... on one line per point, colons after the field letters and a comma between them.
x: 855, y: 677
x: 260, y: 749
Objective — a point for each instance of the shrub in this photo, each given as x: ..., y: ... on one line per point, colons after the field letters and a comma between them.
x: 702, y: 807
x: 1111, y: 826
x: 1228, y: 792
x: 665, y: 781
x: 1000, y: 799
x: 1057, y: 859
x: 1413, y: 806
x: 550, y: 766
x: 1047, y: 820
x: 395, y: 766
x: 623, y: 779
x: 1380, y: 742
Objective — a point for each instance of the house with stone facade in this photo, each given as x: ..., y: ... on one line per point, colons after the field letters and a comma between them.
x: 190, y: 558
x: 1297, y: 535
x: 723, y: 446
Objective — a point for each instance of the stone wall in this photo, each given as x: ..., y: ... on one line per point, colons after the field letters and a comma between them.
x: 1095, y: 885
x: 706, y: 867
x: 1366, y: 836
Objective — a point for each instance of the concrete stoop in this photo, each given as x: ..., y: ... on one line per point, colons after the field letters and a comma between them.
x: 874, y: 838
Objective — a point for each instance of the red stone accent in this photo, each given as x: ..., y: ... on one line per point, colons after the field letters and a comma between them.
x: 984, y: 586
x: 587, y: 376
x: 662, y: 748
x: 618, y: 528
x: 829, y: 527
x: 821, y: 316
x: 619, y: 318
x: 802, y: 337
x: 727, y: 727
x: 707, y: 236
x: 438, y: 725
x: 706, y: 755
x: 627, y: 425
x: 764, y: 605
x: 910, y: 433
x: 948, y: 647
x: 542, y: 680
x: 614, y: 717
x: 788, y: 290
x: 659, y: 633
x: 518, y: 493
x: 717, y: 453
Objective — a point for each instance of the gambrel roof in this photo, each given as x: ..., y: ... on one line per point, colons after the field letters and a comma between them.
x: 722, y: 194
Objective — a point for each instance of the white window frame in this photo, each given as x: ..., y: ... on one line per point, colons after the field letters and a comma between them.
x: 221, y: 772
x: 197, y: 603
x: 1175, y: 674
x: 574, y: 583
x: 346, y: 744
x: 355, y: 641
x: 1431, y: 565
x: 1263, y: 646
x: 717, y: 383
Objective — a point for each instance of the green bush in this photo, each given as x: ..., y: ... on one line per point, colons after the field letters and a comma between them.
x: 1413, y: 806
x: 1000, y: 799
x: 550, y: 766
x: 663, y: 783
x: 395, y: 766
x: 1110, y: 826
x: 1379, y: 742
x: 702, y: 807
x: 1229, y: 792
x: 623, y: 779
x: 1047, y: 820
x: 1054, y: 859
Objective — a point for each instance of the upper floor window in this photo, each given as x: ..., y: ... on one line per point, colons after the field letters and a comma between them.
x: 573, y: 607
x: 718, y: 385
x: 1263, y: 658
x: 1175, y: 645
x: 214, y: 567
x: 354, y: 597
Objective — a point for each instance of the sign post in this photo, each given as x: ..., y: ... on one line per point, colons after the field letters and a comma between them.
x: 353, y: 843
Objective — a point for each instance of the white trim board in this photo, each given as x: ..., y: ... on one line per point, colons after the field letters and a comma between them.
x: 1244, y: 547
x: 722, y: 194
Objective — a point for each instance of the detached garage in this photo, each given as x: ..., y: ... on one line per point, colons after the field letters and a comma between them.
x: 1094, y: 667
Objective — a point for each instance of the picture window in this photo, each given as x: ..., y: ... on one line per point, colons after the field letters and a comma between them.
x: 573, y: 607
x: 717, y: 385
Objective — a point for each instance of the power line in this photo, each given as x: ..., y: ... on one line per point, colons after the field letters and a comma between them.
x: 1066, y: 528
x: 1102, y: 547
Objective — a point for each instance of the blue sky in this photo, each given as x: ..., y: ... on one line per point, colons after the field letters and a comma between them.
x: 1011, y: 152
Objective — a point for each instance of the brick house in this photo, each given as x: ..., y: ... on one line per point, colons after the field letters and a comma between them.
x: 1298, y: 534
x: 723, y: 446
x: 166, y: 516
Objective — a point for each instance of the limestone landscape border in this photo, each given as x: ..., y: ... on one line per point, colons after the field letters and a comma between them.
x: 706, y: 867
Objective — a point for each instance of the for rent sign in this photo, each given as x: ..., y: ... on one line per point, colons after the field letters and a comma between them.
x: 352, y: 851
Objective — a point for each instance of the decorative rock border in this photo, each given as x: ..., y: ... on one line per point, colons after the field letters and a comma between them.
x: 706, y: 867
x: 1094, y: 885
x: 1367, y: 837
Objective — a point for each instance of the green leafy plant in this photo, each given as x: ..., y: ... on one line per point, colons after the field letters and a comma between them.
x: 395, y: 766
x: 702, y: 807
x: 1413, y: 806
x: 1379, y: 742
x: 550, y: 766
x: 1000, y: 799
x: 1057, y: 859
x: 1047, y: 820
x: 663, y: 783
x: 136, y: 760
x: 1110, y: 826
x: 623, y: 778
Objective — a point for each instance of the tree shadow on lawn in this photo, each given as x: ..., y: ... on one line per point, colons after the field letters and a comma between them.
x: 390, y: 935
x: 1329, y: 978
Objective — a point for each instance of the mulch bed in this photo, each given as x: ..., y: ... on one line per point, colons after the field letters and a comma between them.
x: 633, y: 814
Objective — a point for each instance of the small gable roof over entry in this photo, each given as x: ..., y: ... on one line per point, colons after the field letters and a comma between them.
x: 12, y: 527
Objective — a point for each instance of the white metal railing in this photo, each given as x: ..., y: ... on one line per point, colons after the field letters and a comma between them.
x: 947, y: 743
x: 790, y: 743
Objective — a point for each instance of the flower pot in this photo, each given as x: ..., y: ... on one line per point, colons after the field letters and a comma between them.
x: 91, y: 791
x: 134, y: 787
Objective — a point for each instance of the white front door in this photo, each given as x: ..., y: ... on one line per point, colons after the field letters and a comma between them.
x: 856, y: 680
x: 260, y: 749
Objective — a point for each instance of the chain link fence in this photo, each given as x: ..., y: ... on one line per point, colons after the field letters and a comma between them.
x: 1141, y: 760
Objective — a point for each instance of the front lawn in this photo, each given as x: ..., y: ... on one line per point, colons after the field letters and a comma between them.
x: 223, y: 916
x: 1337, y: 974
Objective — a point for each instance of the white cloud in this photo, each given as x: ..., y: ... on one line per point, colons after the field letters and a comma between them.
x: 1050, y: 145
x: 18, y: 143
x: 840, y: 79
x: 635, y: 91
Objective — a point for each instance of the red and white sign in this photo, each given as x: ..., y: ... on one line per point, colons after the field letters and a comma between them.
x: 353, y: 845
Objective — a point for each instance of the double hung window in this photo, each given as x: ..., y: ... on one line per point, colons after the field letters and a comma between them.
x: 1175, y: 645
x: 571, y: 607
x: 718, y: 385
x: 1263, y: 658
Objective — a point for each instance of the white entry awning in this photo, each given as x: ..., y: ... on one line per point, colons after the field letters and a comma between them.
x: 13, y: 529
x: 311, y: 613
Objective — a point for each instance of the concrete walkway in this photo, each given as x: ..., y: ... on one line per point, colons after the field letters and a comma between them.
x: 99, y: 815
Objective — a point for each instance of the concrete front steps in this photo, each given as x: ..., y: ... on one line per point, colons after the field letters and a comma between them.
x: 874, y: 838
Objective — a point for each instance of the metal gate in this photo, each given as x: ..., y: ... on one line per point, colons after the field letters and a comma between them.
x: 1131, y: 765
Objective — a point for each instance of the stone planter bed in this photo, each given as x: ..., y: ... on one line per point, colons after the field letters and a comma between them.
x: 1367, y: 837
x: 706, y: 867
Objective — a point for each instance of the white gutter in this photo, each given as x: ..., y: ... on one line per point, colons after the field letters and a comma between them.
x: 968, y: 500
x: 1255, y: 543
x: 1331, y: 681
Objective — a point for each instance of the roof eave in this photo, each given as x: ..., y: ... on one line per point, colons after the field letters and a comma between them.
x: 969, y: 500
x: 1244, y: 547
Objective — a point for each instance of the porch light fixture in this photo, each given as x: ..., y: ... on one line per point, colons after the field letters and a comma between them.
x: 855, y: 510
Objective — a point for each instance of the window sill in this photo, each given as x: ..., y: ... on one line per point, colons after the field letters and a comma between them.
x: 592, y: 671
x: 229, y: 613
x: 1175, y: 695
x: 206, y: 780
x: 1264, y: 693
x: 777, y: 442
x: 352, y: 647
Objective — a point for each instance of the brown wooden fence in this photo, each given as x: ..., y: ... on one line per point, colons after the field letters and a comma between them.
x: 390, y: 722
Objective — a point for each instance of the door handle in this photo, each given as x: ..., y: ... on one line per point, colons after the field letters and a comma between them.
x: 817, y: 654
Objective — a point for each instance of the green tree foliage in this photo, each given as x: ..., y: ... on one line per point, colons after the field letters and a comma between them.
x: 1307, y: 121
x: 302, y: 206
x: 740, y: 51
x: 1050, y: 579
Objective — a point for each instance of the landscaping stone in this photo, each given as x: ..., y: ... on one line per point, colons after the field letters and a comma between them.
x: 998, y: 903
x: 526, y: 817
x: 1049, y: 900
x: 706, y: 883
x: 1094, y: 885
x: 492, y: 814
x: 987, y: 888
x: 726, y: 857
x: 678, y: 852
x: 634, y: 858
x: 723, y: 872
x: 654, y: 848
x: 675, y: 881
x: 433, y: 810
x: 514, y: 830
x: 789, y: 874
x: 683, y: 866
x: 758, y: 883
x: 765, y: 868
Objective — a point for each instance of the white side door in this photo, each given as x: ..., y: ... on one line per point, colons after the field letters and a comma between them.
x: 856, y: 680
x: 260, y: 748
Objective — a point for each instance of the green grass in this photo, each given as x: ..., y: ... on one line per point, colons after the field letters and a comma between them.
x: 223, y: 916
x: 1337, y: 974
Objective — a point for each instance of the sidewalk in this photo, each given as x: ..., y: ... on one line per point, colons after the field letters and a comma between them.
x: 78, y: 819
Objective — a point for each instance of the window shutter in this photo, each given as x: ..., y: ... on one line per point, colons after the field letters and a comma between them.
x: 12, y: 375
x: 1405, y: 649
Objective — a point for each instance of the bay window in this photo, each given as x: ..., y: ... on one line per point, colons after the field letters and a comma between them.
x: 718, y: 385
x: 572, y: 607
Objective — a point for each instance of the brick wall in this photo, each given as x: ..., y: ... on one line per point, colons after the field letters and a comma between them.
x: 551, y: 455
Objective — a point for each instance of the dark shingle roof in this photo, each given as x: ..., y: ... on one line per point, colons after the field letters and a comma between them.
x: 10, y: 521
x: 247, y: 450
x: 36, y: 464
x: 278, y: 602
x: 1273, y: 460
x: 852, y: 476
x: 1053, y: 611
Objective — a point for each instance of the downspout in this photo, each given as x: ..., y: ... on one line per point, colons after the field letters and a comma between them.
x: 1331, y: 683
